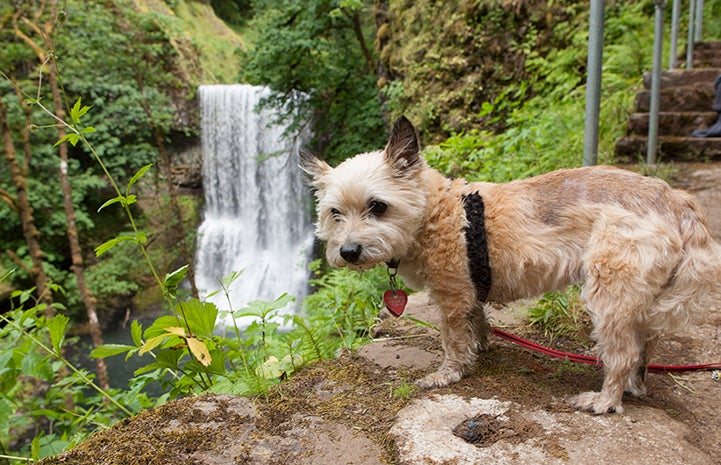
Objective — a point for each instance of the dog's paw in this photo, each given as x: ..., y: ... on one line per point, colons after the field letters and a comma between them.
x: 440, y: 378
x: 597, y: 403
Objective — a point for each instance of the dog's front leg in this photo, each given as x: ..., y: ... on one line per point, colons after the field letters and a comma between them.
x: 461, y: 328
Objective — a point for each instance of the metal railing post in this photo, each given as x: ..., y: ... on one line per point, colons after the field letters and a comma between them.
x: 652, y: 139
x: 689, y: 40
x: 699, y: 21
x: 675, y: 19
x: 593, y: 82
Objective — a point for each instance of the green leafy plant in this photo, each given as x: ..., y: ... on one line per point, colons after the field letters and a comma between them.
x: 403, y: 389
x: 346, y: 301
x: 40, y: 385
x: 189, y: 350
x: 558, y: 313
x: 193, y: 351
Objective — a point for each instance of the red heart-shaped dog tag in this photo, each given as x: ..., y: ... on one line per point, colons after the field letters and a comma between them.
x: 395, y: 301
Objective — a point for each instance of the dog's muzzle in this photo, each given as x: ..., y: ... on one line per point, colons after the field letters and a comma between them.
x: 351, y: 252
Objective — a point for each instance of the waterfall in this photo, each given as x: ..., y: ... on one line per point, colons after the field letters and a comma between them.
x: 256, y: 216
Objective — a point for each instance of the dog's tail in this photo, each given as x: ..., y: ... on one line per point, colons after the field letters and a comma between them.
x: 698, y: 274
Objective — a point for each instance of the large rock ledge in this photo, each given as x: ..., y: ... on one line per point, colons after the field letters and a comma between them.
x: 221, y: 430
x: 362, y: 409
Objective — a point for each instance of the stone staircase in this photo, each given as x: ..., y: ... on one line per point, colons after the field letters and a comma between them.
x: 685, y: 105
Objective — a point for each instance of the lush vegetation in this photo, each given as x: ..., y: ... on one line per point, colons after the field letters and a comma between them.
x: 121, y: 63
x: 127, y: 79
x: 188, y: 351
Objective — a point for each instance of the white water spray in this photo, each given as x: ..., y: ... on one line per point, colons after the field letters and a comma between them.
x: 257, y: 216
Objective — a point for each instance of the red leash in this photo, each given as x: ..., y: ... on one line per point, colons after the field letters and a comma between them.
x: 587, y: 359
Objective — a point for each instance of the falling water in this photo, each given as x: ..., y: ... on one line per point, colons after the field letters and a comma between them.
x: 256, y: 216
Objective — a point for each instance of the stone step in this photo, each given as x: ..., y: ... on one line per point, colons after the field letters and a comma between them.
x: 681, y: 77
x: 671, y: 123
x: 632, y: 149
x: 708, y: 45
x: 704, y: 61
x: 682, y: 98
x: 707, y: 54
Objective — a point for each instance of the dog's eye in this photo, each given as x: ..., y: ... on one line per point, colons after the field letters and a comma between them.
x: 335, y: 213
x: 377, y: 208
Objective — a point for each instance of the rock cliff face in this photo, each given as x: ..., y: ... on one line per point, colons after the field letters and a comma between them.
x: 451, y: 58
x: 204, y: 48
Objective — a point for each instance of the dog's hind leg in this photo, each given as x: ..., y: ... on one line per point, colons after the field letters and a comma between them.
x: 628, y: 264
x: 635, y: 385
x: 620, y: 347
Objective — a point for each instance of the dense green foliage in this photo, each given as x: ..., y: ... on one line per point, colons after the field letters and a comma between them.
x: 317, y: 56
x: 31, y: 354
x: 121, y: 63
x: 448, y: 60
x: 544, y: 128
x: 187, y: 352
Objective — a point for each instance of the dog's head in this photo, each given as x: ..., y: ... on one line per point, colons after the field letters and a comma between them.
x: 370, y: 207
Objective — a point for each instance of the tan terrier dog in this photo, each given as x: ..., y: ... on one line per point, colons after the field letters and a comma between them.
x: 642, y: 250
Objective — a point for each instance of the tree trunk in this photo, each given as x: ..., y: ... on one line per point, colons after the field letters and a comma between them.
x: 25, y: 211
x: 78, y: 267
x: 76, y: 252
x: 358, y: 30
x: 382, y: 45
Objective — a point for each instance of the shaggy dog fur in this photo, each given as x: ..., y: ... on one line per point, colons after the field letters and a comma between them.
x: 642, y: 250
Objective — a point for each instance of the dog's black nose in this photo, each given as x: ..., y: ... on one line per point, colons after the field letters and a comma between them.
x: 351, y: 252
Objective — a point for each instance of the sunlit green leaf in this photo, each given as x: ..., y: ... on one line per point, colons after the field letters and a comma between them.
x: 136, y: 332
x: 137, y: 176
x: 262, y: 309
x: 63, y: 139
x: 158, y: 326
x: 200, y: 317
x: 153, y: 342
x: 78, y: 111
x: 111, y: 202
x: 172, y: 280
x: 7, y: 274
x: 56, y: 327
x: 107, y: 245
x: 108, y: 350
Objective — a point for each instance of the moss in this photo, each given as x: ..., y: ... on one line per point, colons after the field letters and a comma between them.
x: 216, y: 41
x: 350, y: 390
x: 205, y: 36
x: 454, y: 56
x: 167, y: 435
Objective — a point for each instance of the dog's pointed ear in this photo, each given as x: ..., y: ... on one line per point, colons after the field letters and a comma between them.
x: 403, y: 149
x: 313, y: 167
